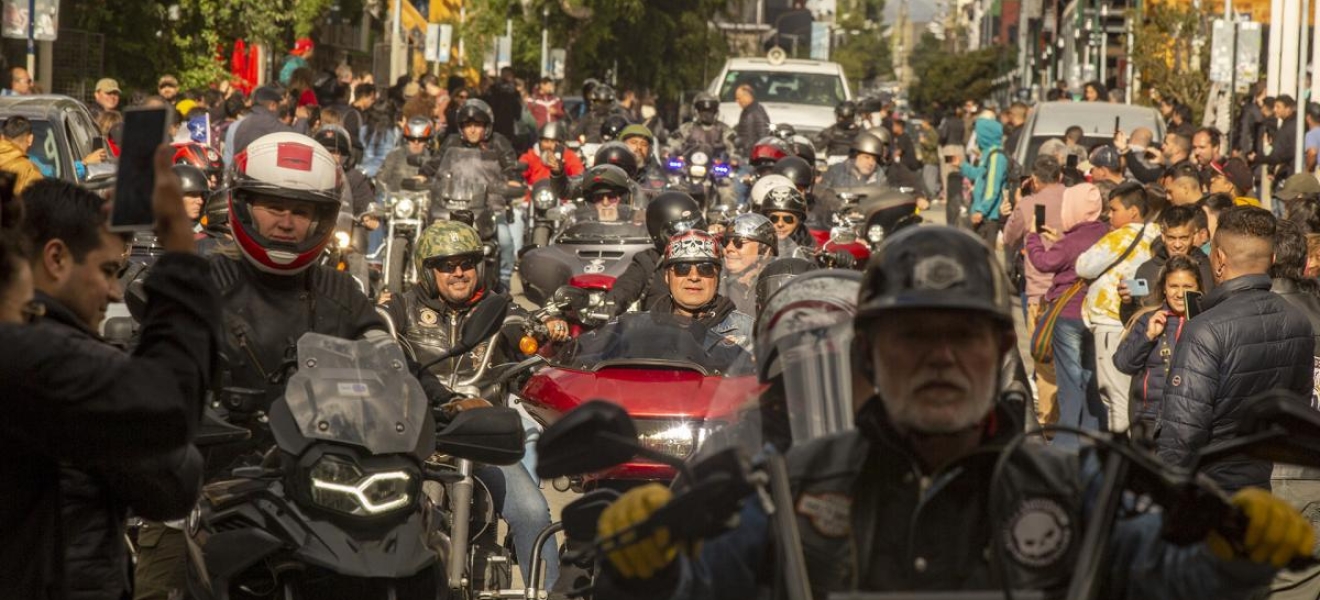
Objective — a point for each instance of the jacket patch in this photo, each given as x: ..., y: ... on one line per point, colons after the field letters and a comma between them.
x: 1176, y: 381
x: 1039, y: 533
x: 830, y: 514
x: 429, y: 317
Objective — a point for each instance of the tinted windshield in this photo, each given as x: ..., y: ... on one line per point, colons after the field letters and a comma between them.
x: 465, y: 174
x: 356, y: 392
x: 654, y: 339
x: 799, y: 88
x: 588, y: 230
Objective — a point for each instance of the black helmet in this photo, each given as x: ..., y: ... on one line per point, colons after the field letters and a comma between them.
x: 776, y: 274
x: 612, y: 127
x: 797, y: 169
x: 619, y: 155
x: 870, y: 105
x: 784, y: 131
x: 869, y: 143
x: 705, y: 102
x: 192, y: 180
x: 671, y: 213
x: 474, y: 110
x: 803, y: 147
x: 216, y: 211
x: 605, y: 177
x: 845, y: 111
x: 784, y: 199
x: 555, y: 130
x: 601, y: 97
x: 334, y: 139
x: 587, y: 86
x: 934, y: 266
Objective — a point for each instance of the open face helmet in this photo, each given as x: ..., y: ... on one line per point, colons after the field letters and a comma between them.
x: 671, y: 213
x: 444, y: 240
x: 418, y: 128
x: 707, y: 108
x: 693, y: 246
x: 754, y: 227
x: 203, y: 157
x: 763, y: 186
x: 476, y: 111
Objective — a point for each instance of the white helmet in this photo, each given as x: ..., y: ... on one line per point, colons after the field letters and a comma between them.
x: 289, y: 166
x: 764, y: 185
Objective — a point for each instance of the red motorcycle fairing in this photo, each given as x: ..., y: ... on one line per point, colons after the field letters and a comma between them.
x: 591, y: 281
x: 860, y: 251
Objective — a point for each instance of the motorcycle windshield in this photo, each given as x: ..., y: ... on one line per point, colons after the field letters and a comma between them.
x: 658, y: 340
x: 591, y: 231
x: 465, y: 175
x: 816, y: 370
x: 358, y: 393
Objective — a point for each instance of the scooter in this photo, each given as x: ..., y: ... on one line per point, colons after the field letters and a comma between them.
x: 336, y: 509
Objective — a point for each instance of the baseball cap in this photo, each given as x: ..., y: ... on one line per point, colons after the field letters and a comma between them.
x: 168, y: 80
x: 412, y: 89
x: 1236, y: 171
x: 267, y: 93
x: 302, y: 46
x: 107, y: 85
x: 1299, y: 186
x: 1105, y: 156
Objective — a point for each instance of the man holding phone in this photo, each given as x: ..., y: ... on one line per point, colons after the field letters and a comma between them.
x: 1045, y: 196
x: 1177, y: 227
x: 550, y: 157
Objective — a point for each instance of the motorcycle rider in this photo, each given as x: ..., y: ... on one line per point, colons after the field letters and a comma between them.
x: 550, y: 158
x: 476, y: 131
x: 337, y: 142
x: 803, y: 175
x: 620, y: 155
x: 284, y: 202
x: 640, y: 140
x: 428, y: 317
x: 786, y: 208
x: 691, y: 267
x: 869, y: 153
x: 606, y: 189
x: 749, y: 244
x: 933, y: 325
x: 704, y: 130
x: 836, y: 140
x: 601, y: 100
x: 196, y: 189
x: 670, y: 214
x: 417, y: 135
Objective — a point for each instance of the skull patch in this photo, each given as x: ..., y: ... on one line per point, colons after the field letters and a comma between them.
x: 1039, y: 533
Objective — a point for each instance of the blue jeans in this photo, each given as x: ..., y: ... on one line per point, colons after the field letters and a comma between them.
x: 740, y: 189
x: 511, y: 239
x: 525, y: 509
x: 1074, y: 368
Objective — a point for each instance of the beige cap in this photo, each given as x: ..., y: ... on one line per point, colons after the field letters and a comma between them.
x: 412, y: 89
x: 168, y: 80
x: 107, y: 85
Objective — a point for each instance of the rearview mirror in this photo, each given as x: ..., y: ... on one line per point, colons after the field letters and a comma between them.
x: 493, y: 436
x: 593, y: 437
x: 570, y: 296
x: 484, y: 321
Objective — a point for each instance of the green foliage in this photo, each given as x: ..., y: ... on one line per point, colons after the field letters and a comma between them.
x: 205, y: 25
x: 864, y: 51
x: 1168, y: 62
x: 137, y: 48
x: 948, y: 79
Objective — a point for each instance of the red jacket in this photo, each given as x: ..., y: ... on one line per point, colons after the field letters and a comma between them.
x: 536, y: 170
x: 545, y: 109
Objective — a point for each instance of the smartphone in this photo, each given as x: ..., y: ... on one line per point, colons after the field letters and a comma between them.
x: 1137, y: 287
x: 1116, y: 124
x: 1040, y: 217
x: 1072, y: 161
x: 144, y: 131
x: 1193, y: 301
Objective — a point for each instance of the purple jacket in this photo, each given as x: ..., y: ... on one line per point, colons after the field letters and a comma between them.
x: 1060, y: 259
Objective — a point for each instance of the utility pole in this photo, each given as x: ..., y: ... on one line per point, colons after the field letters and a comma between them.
x: 1299, y: 152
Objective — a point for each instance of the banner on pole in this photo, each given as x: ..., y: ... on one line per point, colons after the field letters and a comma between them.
x: 438, y: 39
x: 1221, y: 52
x: 47, y: 21
x: 1248, y: 54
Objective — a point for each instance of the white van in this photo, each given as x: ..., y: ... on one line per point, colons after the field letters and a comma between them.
x: 801, y: 93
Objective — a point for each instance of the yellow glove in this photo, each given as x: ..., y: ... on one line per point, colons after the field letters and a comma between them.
x: 638, y: 559
x: 1276, y: 533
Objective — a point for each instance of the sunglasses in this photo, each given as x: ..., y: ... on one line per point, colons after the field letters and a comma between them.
x: 607, y: 197
x: 416, y: 140
x: 736, y: 241
x: 703, y: 269
x: 785, y: 219
x: 32, y: 311
x: 448, y: 265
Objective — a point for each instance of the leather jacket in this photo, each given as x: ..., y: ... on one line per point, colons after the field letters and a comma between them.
x: 717, y: 136
x: 429, y: 327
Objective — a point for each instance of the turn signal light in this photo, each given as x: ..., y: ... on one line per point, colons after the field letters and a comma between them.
x: 528, y: 345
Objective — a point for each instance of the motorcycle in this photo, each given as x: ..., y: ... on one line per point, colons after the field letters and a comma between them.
x: 546, y: 212
x: 670, y: 373
x: 406, y: 209
x: 336, y: 509
x: 701, y: 175
x: 587, y: 254
x: 471, y: 187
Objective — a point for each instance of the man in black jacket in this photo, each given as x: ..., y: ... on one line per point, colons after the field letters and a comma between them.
x: 1177, y: 228
x: 1246, y: 341
x: 1284, y: 138
x: 91, y: 432
x: 753, y: 121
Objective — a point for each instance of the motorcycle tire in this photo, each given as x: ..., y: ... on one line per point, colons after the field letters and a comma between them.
x: 396, y: 264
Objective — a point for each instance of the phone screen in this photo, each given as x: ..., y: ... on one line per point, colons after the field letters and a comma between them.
x: 1193, y: 300
x: 1072, y: 161
x: 1040, y: 217
x: 1116, y: 124
x: 144, y: 131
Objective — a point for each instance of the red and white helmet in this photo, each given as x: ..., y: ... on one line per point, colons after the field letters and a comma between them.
x: 290, y: 166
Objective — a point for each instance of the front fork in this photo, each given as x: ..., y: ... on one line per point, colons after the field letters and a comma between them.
x: 460, y: 516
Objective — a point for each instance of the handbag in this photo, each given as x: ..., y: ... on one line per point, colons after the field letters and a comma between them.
x: 1042, y: 337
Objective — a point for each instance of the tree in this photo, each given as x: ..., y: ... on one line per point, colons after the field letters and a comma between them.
x: 1169, y: 62
x: 864, y: 52
x: 136, y: 47
x: 205, y: 27
x: 947, y: 79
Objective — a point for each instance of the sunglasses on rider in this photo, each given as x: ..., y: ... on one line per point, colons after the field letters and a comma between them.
x: 785, y: 219
x: 417, y: 140
x: 448, y: 265
x: 736, y: 241
x: 703, y: 269
x: 607, y: 197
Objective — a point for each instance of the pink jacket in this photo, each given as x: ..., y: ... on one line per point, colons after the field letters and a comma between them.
x: 1019, y: 223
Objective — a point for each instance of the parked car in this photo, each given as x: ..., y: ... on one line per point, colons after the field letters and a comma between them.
x: 1097, y: 120
x: 64, y: 134
x: 801, y: 93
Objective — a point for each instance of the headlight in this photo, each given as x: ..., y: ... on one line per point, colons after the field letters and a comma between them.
x: 339, y: 485
x: 545, y: 200
x: 875, y: 234
x: 697, y: 171
x: 700, y: 158
x: 675, y: 438
x: 341, y: 239
x: 404, y: 208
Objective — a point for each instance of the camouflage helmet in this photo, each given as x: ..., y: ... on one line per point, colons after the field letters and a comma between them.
x: 445, y: 239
